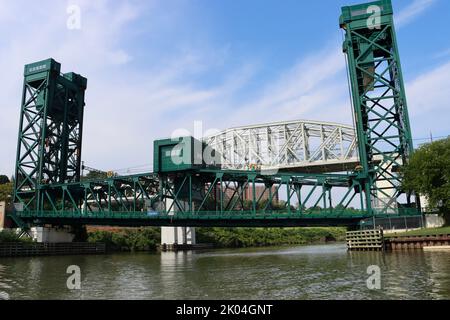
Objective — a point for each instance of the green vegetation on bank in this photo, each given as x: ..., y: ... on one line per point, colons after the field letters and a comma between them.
x: 7, y: 235
x: 148, y: 238
x: 256, y: 237
x: 6, y: 189
x: 145, y: 239
x: 428, y: 173
x: 421, y: 232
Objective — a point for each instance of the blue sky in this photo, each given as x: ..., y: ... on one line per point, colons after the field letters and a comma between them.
x: 155, y: 67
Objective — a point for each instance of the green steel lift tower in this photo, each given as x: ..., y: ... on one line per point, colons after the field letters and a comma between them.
x: 379, y: 103
x: 50, y: 131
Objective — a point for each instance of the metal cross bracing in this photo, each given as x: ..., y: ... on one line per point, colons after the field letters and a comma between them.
x: 50, y: 130
x: 204, y: 198
x: 310, y: 146
x: 379, y: 103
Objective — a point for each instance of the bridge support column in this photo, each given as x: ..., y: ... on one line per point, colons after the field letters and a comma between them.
x: 386, y: 193
x: 2, y: 214
x: 176, y: 236
x: 52, y: 234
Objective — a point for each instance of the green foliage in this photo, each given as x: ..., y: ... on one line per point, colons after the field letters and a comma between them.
x: 93, y: 175
x: 428, y: 173
x: 148, y: 238
x: 128, y: 239
x: 6, y: 191
x: 3, y: 179
x: 253, y: 237
x: 8, y: 235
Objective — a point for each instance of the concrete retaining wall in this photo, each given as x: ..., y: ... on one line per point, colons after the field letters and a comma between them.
x: 434, y: 221
x: 2, y: 214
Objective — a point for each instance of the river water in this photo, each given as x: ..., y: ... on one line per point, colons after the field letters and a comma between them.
x: 306, y: 272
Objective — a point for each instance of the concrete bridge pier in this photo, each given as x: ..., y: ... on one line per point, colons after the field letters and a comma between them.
x: 42, y: 234
x: 2, y: 214
x: 173, y: 238
x: 178, y: 236
x: 52, y: 234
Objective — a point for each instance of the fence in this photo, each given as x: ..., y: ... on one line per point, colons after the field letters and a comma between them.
x: 15, y: 249
x: 394, y: 223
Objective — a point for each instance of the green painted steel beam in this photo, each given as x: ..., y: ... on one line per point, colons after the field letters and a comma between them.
x: 50, y: 131
x: 379, y: 104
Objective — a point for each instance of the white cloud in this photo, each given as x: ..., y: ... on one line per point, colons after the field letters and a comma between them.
x: 314, y: 88
x: 413, y: 10
x: 428, y: 99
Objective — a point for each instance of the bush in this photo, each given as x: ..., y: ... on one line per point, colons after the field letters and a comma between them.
x: 10, y: 235
x: 148, y: 238
x: 128, y: 240
x: 253, y: 237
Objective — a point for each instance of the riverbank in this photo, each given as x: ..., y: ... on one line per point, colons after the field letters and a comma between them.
x: 418, y: 239
x: 264, y: 237
x: 147, y: 239
x: 421, y: 232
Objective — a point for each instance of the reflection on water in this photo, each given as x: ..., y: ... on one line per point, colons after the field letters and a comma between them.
x: 309, y: 272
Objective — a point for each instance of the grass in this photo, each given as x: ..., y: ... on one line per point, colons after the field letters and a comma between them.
x: 421, y: 232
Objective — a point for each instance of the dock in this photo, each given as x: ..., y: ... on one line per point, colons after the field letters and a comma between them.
x: 374, y: 240
x: 417, y: 242
x: 365, y: 240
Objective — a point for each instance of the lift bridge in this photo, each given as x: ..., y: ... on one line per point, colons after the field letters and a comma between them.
x: 297, y: 173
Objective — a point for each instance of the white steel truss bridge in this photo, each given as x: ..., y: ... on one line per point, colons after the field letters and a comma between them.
x: 309, y: 146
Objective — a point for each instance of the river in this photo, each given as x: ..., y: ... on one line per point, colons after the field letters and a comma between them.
x: 305, y: 272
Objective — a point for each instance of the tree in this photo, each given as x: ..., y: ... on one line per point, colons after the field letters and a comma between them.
x: 3, y: 179
x: 6, y: 192
x: 92, y: 175
x: 428, y: 173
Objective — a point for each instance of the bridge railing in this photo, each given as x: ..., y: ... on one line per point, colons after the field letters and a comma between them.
x: 239, y: 214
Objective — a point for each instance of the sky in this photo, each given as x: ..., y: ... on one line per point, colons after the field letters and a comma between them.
x: 155, y: 67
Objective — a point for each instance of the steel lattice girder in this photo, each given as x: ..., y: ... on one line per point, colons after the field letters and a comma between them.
x: 293, y: 145
x: 50, y: 130
x: 379, y: 102
x: 140, y: 192
x: 202, y: 197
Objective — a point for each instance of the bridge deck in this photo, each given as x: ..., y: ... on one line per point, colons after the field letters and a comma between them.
x: 205, y: 219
